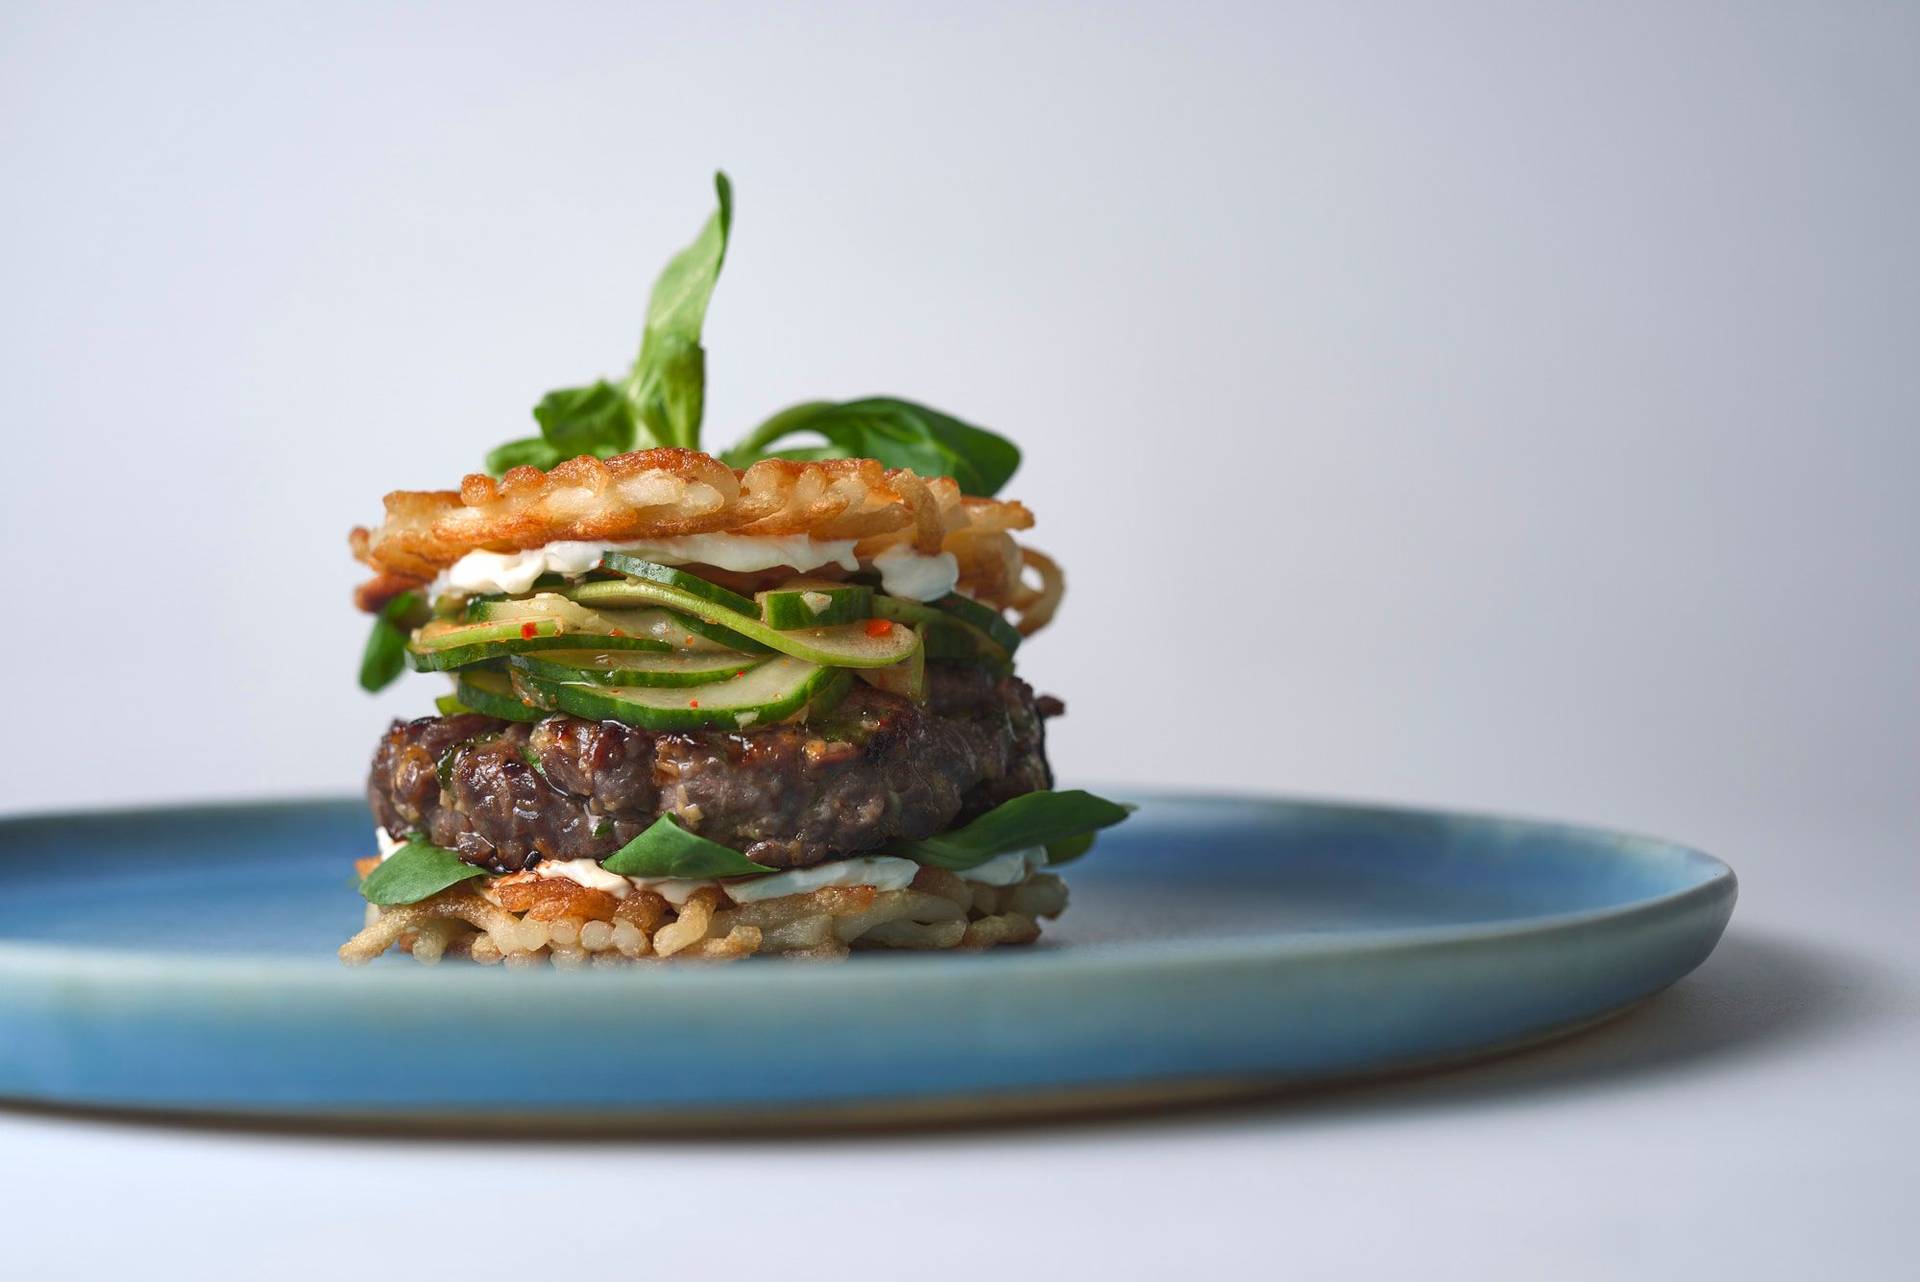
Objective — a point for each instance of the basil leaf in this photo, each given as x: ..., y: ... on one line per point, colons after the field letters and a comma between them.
x: 385, y: 657
x: 898, y: 433
x: 1034, y: 819
x: 667, y: 386
x: 597, y: 420
x: 668, y: 850
x: 414, y: 872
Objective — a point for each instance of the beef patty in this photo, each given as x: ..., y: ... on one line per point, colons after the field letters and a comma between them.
x: 879, y: 768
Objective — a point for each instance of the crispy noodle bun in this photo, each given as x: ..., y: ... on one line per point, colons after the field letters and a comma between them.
x: 661, y: 493
x: 524, y: 920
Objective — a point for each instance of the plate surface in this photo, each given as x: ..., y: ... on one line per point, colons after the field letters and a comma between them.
x: 183, y: 960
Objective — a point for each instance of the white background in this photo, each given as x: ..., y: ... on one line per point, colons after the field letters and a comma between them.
x: 1500, y: 406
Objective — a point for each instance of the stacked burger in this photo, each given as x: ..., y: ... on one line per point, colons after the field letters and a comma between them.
x: 711, y: 707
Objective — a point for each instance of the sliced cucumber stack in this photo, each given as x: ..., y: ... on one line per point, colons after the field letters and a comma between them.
x: 687, y: 623
x: 620, y: 668
x: 653, y: 572
x: 440, y: 646
x: 592, y: 626
x: 908, y: 678
x: 945, y: 635
x: 983, y: 617
x: 814, y: 603
x: 493, y: 695
x: 849, y: 645
x: 774, y: 690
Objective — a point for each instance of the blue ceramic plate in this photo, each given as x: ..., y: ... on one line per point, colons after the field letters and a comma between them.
x: 183, y: 960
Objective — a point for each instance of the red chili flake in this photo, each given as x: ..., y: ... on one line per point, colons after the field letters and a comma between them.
x: 616, y: 632
x: 878, y: 627
x: 741, y: 673
x: 528, y: 631
x: 693, y: 703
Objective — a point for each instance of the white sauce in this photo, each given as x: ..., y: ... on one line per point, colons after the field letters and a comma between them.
x: 903, y: 572
x: 585, y: 872
x: 882, y: 872
x: 915, y: 576
x: 1008, y: 869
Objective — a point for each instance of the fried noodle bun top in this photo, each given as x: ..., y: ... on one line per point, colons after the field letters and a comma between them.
x: 668, y: 491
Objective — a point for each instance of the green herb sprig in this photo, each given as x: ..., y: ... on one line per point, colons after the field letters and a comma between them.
x: 662, y: 399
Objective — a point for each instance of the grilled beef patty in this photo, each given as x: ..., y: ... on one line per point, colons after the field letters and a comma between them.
x: 505, y: 795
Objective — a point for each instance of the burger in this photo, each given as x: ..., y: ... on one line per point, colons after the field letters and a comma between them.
x: 708, y: 706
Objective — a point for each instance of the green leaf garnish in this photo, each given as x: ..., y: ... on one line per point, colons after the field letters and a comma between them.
x: 1070, y: 849
x: 597, y: 420
x: 667, y: 386
x: 385, y: 656
x: 668, y: 850
x: 663, y: 397
x: 414, y: 872
x: 898, y: 433
x: 1033, y: 819
x: 662, y: 400
x: 528, y: 451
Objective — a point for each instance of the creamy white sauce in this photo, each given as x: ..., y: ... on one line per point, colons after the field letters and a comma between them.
x: 903, y: 572
x: 882, y: 872
x: 916, y: 576
x: 1008, y: 869
x: 585, y: 872
x: 385, y: 840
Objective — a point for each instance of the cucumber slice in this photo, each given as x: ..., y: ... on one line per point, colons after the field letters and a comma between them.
x: 830, y: 693
x: 636, y: 628
x: 492, y: 694
x: 652, y: 571
x: 847, y: 645
x: 945, y: 635
x: 688, y: 624
x: 814, y: 603
x: 975, y: 614
x: 770, y: 692
x: 442, y: 635
x: 439, y: 648
x: 620, y: 668
x: 908, y: 679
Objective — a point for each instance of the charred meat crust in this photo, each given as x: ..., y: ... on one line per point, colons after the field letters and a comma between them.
x: 880, y: 768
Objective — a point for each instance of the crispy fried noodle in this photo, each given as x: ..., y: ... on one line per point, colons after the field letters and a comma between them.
x: 666, y: 492
x: 524, y: 921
